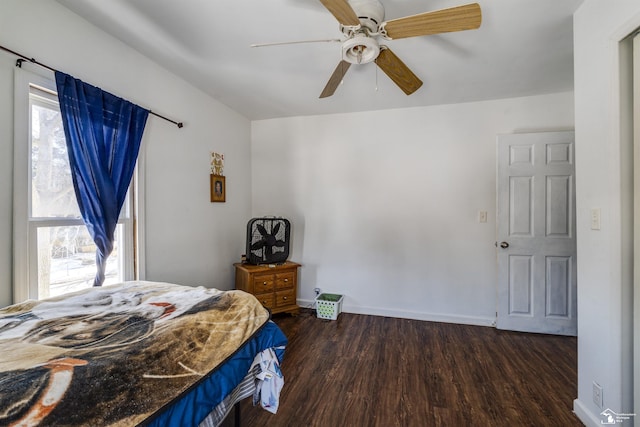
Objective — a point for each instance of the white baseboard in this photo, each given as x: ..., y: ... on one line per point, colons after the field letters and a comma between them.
x: 415, y: 315
x: 586, y: 416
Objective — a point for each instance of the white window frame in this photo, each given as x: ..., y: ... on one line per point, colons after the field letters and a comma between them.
x: 25, y: 274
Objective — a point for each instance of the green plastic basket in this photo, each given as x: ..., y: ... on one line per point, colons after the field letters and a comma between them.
x: 328, y: 306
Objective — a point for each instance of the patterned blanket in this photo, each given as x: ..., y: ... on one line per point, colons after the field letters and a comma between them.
x: 118, y: 354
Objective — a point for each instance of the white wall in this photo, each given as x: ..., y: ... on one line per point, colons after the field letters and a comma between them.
x: 188, y: 239
x: 384, y: 205
x: 603, y: 150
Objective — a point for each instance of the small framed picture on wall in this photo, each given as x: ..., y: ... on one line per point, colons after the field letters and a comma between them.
x: 218, y: 188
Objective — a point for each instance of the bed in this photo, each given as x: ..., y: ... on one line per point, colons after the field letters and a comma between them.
x: 137, y: 353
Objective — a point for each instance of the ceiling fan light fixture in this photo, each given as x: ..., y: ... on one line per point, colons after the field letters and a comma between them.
x: 362, y: 22
x: 369, y: 12
x: 360, y: 49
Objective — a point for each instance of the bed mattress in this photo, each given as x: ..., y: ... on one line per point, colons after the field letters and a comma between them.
x: 135, y: 353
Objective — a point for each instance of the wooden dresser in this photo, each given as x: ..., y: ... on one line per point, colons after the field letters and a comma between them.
x: 275, y: 286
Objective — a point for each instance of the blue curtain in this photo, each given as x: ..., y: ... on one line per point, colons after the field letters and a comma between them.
x: 103, y: 135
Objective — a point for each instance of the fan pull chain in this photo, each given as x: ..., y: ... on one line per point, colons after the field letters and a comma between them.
x: 376, y: 78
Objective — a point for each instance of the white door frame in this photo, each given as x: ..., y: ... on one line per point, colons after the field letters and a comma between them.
x: 636, y: 223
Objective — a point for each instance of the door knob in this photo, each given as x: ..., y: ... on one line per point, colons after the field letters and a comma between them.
x: 504, y: 245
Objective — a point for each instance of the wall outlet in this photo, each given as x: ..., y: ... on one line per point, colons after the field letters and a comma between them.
x: 597, y: 395
x: 482, y: 216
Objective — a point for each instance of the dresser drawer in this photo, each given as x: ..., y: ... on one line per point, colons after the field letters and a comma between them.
x: 262, y: 283
x: 285, y: 298
x: 267, y: 300
x: 285, y: 280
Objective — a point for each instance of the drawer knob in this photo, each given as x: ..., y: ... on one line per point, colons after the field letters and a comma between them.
x: 264, y: 302
x: 284, y: 298
x: 264, y: 283
x: 286, y: 280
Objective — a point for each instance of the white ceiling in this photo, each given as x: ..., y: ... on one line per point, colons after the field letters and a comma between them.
x: 523, y: 47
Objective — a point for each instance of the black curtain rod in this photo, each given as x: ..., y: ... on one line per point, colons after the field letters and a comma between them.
x: 33, y: 61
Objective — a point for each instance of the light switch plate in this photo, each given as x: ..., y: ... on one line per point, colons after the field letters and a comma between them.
x: 595, y: 218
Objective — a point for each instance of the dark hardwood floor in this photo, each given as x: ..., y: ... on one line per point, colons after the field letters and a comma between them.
x: 376, y: 371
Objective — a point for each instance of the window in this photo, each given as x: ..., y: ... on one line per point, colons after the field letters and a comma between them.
x: 53, y: 251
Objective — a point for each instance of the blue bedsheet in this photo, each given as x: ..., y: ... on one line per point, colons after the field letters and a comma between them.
x: 196, y: 403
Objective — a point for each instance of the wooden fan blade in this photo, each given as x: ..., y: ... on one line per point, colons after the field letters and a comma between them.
x: 398, y: 71
x: 342, y: 11
x: 467, y: 17
x: 335, y: 79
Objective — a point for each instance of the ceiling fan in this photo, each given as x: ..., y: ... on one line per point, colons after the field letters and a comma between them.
x: 362, y: 22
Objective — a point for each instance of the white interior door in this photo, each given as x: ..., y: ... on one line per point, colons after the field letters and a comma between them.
x: 536, y: 247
